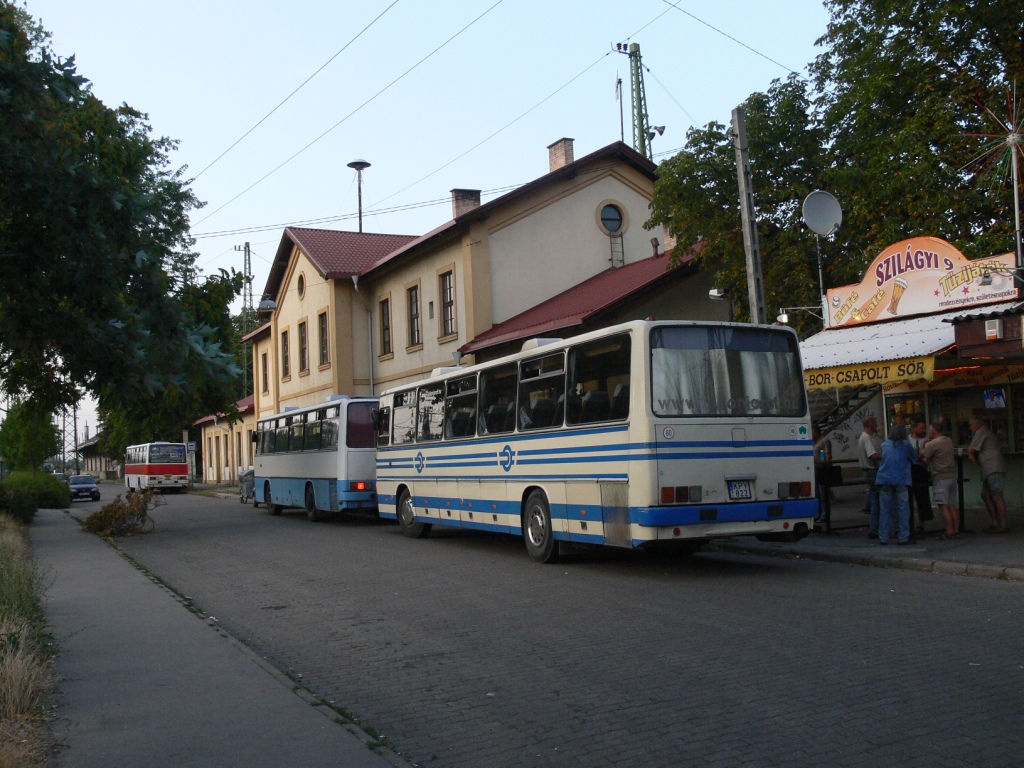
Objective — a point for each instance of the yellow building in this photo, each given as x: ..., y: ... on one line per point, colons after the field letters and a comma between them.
x: 227, y: 446
x: 358, y: 313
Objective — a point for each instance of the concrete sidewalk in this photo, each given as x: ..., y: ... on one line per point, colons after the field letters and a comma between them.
x: 146, y: 682
x: 999, y: 556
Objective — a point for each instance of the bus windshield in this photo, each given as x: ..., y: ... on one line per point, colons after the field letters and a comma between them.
x: 167, y: 454
x: 725, y: 371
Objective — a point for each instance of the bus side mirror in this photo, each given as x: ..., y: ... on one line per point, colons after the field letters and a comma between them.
x: 375, y: 417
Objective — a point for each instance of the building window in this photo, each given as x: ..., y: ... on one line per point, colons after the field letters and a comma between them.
x: 611, y: 218
x: 447, y: 290
x: 264, y: 368
x: 325, y: 356
x: 413, y: 298
x: 302, y: 286
x: 385, y: 327
x: 303, y: 348
x: 286, y: 370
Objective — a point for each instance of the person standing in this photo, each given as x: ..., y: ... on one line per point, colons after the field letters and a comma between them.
x: 919, y: 474
x: 868, y: 456
x: 893, y: 480
x: 938, y: 455
x: 985, y: 451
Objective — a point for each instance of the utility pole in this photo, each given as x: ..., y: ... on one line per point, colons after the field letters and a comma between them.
x: 755, y: 283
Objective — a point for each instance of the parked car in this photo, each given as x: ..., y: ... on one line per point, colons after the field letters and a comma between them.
x: 84, y: 487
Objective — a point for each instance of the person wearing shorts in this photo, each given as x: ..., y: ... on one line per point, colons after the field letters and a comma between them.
x: 937, y: 453
x: 984, y: 450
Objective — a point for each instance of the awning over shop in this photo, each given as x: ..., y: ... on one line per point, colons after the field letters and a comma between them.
x: 880, y: 353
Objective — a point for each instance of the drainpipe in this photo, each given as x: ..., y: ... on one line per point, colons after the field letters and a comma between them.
x: 369, y: 327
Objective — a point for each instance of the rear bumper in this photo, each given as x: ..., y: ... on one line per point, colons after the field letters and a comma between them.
x: 703, y: 514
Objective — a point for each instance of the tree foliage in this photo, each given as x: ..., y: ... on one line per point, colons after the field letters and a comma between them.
x: 99, y: 291
x: 886, y: 126
x: 28, y: 436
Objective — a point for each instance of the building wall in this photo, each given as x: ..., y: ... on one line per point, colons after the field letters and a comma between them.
x: 409, y: 361
x: 540, y: 251
x: 227, y: 449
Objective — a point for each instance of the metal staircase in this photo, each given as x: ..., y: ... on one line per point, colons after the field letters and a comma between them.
x: 830, y: 408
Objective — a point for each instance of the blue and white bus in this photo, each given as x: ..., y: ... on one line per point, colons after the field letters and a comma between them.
x: 319, y: 458
x: 635, y: 435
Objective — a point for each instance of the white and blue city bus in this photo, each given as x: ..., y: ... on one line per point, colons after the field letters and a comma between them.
x: 635, y: 435
x: 319, y: 457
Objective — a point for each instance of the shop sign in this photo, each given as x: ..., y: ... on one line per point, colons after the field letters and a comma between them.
x: 958, y: 378
x: 922, y: 275
x: 864, y: 374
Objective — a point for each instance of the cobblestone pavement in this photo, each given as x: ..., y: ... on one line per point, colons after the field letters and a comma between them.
x: 463, y: 652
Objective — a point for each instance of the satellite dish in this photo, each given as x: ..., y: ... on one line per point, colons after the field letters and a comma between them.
x: 822, y: 213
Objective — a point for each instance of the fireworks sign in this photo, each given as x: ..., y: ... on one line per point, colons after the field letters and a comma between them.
x: 921, y: 276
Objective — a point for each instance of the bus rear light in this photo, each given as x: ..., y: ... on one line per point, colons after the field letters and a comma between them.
x: 359, y: 485
x: 682, y: 494
x: 795, y: 490
x: 668, y: 494
x: 805, y: 488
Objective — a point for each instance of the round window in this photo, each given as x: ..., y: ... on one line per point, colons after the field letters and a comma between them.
x: 302, y: 285
x: 611, y: 218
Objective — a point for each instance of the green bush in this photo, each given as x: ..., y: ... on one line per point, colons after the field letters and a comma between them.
x: 124, y: 515
x: 49, y: 492
x: 18, y: 503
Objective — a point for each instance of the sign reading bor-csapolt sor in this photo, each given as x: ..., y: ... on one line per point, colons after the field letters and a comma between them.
x: 870, y: 373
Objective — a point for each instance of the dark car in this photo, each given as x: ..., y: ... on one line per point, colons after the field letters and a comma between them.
x: 84, y: 487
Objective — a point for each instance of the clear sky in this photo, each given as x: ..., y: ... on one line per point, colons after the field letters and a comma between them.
x: 508, y: 78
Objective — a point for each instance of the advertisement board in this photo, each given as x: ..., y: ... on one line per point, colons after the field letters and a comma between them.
x: 920, y: 276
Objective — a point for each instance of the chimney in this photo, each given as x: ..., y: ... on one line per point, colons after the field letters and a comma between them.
x: 560, y: 154
x: 464, y: 201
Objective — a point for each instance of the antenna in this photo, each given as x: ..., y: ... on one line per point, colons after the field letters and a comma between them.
x: 822, y: 215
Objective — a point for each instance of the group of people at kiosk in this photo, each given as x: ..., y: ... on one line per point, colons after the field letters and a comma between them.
x: 889, y: 469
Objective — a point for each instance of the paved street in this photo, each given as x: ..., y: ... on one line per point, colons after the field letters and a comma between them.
x: 463, y: 652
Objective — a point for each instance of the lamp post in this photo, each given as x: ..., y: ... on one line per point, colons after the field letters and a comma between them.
x: 360, y: 166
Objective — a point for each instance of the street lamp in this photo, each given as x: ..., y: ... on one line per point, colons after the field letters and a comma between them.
x: 360, y: 166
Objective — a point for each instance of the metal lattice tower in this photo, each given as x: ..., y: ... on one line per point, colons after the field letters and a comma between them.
x: 641, y: 123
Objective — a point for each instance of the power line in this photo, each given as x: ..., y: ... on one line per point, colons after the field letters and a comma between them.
x: 350, y: 114
x: 693, y: 122
x: 301, y: 86
x: 727, y: 35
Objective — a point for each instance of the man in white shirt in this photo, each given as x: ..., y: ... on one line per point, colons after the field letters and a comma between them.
x: 868, y: 456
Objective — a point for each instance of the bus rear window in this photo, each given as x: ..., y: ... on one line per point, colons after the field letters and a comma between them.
x: 359, y: 430
x: 725, y: 371
x: 167, y: 454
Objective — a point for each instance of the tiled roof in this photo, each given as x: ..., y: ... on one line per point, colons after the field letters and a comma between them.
x: 580, y: 303
x: 256, y: 333
x: 243, y: 405
x: 342, y: 254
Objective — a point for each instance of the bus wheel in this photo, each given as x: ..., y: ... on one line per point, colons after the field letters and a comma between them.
x: 311, y: 510
x: 537, y: 531
x: 272, y: 508
x: 407, y: 518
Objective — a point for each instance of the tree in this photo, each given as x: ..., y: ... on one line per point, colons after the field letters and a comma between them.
x: 897, y: 91
x: 99, y: 289
x: 696, y: 196
x: 903, y: 83
x: 28, y: 436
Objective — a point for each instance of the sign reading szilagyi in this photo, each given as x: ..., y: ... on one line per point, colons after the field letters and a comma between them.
x: 863, y: 374
x: 921, y: 276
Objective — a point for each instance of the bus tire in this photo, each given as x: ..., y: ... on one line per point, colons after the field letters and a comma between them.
x: 311, y: 511
x: 537, y: 531
x: 272, y: 508
x: 407, y: 518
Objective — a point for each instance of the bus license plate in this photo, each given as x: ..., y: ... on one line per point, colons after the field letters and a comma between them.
x: 739, y: 490
x: 167, y: 477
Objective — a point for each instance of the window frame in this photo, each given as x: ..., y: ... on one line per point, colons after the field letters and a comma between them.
x: 286, y: 370
x: 303, y: 350
x: 324, y: 330
x: 414, y: 325
x: 449, y: 321
x: 384, y: 320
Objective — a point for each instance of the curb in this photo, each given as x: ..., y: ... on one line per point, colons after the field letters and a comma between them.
x: 920, y: 564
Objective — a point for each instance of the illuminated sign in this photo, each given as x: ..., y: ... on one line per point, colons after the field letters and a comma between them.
x: 919, y: 276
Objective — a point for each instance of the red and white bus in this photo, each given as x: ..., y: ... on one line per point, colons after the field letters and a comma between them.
x: 156, y: 465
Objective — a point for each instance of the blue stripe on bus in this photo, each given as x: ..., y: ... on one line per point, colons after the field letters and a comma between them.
x: 724, y: 513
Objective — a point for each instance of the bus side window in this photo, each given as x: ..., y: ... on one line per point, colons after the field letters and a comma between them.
x: 403, y: 418
x: 541, y: 384
x: 430, y: 413
x: 497, y: 395
x: 460, y: 407
x: 384, y: 427
x: 599, y: 378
